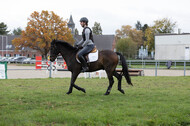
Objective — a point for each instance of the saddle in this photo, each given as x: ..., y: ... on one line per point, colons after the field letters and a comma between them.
x: 90, y: 57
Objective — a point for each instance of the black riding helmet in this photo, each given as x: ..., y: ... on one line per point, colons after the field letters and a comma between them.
x: 84, y: 19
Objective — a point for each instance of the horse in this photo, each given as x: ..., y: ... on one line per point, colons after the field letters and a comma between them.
x: 107, y: 61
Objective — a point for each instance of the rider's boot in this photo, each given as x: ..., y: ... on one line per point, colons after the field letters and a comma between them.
x: 84, y: 64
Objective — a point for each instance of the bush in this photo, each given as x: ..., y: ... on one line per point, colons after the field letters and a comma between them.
x: 127, y: 47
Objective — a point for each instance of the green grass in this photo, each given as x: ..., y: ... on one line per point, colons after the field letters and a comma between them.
x: 151, y: 101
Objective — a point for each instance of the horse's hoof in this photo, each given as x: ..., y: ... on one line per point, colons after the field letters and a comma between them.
x: 122, y: 91
x: 68, y: 92
x: 107, y: 93
x: 83, y: 90
x: 131, y: 84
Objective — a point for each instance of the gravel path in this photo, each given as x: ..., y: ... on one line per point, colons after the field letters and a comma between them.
x: 15, y: 72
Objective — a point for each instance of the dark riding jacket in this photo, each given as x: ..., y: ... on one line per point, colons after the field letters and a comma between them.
x: 87, y: 37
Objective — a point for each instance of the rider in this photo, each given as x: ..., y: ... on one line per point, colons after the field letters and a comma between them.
x: 87, y: 43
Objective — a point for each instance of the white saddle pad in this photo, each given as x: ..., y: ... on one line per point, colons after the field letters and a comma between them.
x: 92, y: 57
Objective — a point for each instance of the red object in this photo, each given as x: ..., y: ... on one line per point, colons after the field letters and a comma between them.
x: 65, y: 65
x: 47, y: 63
x: 38, y: 62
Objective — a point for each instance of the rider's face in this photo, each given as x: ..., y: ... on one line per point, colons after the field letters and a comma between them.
x: 82, y: 24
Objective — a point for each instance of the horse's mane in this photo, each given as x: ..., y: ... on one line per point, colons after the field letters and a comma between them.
x: 65, y: 44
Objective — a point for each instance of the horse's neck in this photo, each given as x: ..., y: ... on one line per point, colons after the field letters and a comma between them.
x: 67, y: 54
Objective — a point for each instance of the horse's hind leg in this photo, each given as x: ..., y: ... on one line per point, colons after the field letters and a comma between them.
x: 119, y: 78
x: 111, y: 81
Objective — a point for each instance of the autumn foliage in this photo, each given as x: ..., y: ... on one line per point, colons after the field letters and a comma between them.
x: 41, y: 29
x: 127, y: 31
x: 161, y: 26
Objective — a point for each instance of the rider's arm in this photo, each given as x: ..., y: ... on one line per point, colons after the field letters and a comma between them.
x: 79, y: 43
x: 87, y: 35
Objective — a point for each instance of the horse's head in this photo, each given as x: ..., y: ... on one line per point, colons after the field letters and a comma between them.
x: 53, y: 51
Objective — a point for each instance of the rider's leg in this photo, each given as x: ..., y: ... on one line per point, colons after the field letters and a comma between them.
x: 81, y: 54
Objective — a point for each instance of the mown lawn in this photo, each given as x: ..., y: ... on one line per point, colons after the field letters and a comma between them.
x: 151, y: 101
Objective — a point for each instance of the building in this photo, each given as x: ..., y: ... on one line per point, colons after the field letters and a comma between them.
x: 71, y: 25
x: 172, y: 47
x: 8, y: 50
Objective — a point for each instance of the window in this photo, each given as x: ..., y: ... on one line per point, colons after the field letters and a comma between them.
x: 8, y: 46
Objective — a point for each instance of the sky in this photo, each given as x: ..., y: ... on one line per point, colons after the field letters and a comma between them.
x: 111, y: 14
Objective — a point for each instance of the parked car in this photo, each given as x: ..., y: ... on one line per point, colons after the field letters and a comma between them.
x: 26, y: 61
x: 4, y: 59
x: 33, y: 61
x: 19, y: 59
x: 29, y: 61
x: 9, y: 59
x: 12, y: 60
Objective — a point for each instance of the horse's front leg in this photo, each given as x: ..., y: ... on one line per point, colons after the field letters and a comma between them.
x: 72, y: 84
x: 73, y: 79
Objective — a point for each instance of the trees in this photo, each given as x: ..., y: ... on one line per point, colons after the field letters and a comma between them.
x: 128, y: 39
x: 17, y: 31
x: 164, y: 25
x: 138, y: 25
x: 144, y: 34
x: 149, y: 35
x: 76, y: 31
x: 127, y: 47
x: 3, y: 29
x: 128, y: 32
x: 96, y: 29
x: 41, y: 29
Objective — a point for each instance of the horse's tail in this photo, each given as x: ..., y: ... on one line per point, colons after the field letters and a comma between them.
x: 125, y: 68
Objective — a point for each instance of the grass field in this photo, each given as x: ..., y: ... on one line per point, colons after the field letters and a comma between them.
x: 151, y: 101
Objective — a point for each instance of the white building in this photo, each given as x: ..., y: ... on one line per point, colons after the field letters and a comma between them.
x: 172, y: 47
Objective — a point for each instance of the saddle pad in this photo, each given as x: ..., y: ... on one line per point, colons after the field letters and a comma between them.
x: 91, y: 57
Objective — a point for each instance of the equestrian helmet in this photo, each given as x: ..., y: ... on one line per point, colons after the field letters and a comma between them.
x: 84, y: 19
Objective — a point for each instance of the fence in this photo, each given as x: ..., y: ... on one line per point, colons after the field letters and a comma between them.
x: 159, y: 65
x: 150, y: 68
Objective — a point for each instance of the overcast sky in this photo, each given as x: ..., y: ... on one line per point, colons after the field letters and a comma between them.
x: 111, y: 14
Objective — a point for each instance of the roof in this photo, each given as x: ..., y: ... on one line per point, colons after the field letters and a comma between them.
x: 71, y: 22
x: 102, y: 42
x: 7, y: 44
x: 167, y: 34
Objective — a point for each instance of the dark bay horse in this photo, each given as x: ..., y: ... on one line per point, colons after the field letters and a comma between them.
x: 107, y: 61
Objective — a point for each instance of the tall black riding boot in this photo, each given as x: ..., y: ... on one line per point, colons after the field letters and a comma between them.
x: 84, y: 64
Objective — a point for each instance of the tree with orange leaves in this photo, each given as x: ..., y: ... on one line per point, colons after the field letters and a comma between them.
x: 127, y: 31
x: 41, y: 29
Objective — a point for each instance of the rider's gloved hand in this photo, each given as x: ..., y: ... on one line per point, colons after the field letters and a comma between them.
x: 80, y: 47
x: 75, y: 45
